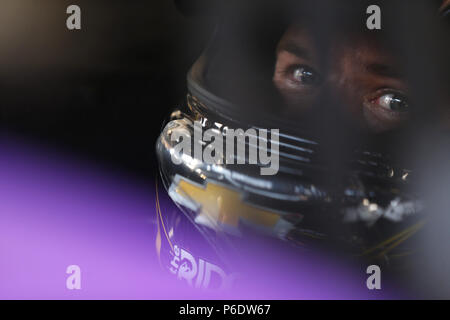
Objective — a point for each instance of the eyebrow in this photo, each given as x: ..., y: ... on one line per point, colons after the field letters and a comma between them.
x: 294, y: 49
x: 384, y: 70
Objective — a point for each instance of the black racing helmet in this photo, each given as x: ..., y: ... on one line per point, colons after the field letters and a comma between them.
x: 350, y: 102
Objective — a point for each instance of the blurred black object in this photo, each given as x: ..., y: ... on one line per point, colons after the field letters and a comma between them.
x: 101, y: 91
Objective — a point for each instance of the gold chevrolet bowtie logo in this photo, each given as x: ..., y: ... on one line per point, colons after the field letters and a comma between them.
x: 220, y: 204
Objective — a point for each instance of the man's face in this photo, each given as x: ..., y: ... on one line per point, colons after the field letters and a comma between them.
x: 360, y: 75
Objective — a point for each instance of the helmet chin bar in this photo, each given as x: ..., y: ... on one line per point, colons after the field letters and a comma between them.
x: 368, y: 206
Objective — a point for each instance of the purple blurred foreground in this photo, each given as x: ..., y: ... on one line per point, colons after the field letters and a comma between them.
x: 57, y: 210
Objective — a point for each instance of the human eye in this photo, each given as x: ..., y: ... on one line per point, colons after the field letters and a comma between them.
x: 302, y: 75
x: 395, y: 102
x: 386, y: 109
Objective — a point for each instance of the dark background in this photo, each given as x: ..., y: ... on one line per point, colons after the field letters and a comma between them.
x: 101, y: 92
